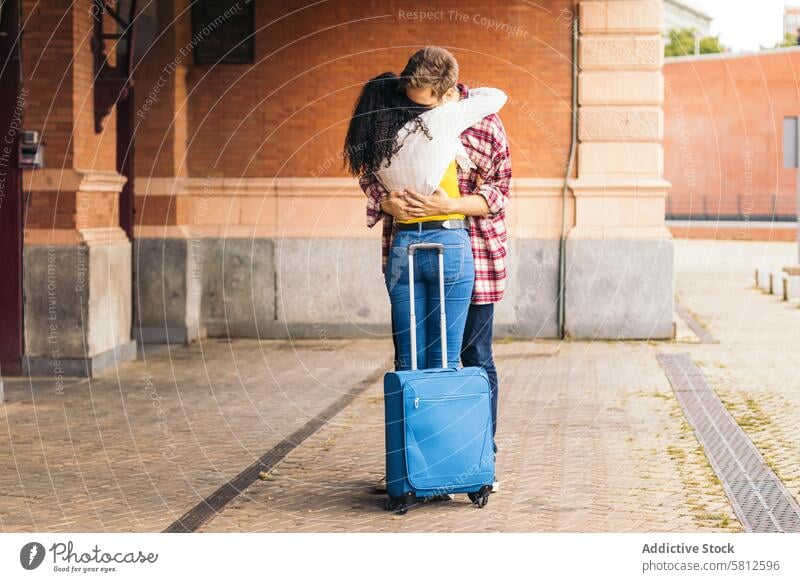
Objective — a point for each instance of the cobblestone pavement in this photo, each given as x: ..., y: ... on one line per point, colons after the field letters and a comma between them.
x: 755, y: 368
x: 133, y: 450
x: 591, y: 437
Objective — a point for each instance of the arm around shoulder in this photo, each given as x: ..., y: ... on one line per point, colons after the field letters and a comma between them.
x: 480, y: 103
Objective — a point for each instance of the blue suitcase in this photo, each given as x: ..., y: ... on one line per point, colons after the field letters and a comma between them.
x: 438, y: 423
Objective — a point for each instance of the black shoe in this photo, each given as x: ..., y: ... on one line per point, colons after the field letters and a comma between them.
x: 380, y: 486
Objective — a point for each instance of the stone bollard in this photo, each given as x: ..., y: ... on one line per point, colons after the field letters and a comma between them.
x: 763, y: 279
x: 776, y: 282
x: 791, y: 288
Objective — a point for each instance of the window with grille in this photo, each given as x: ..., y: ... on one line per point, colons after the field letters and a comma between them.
x: 222, y: 31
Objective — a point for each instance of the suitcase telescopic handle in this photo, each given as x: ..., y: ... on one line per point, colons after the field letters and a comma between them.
x: 412, y: 251
x: 413, y: 248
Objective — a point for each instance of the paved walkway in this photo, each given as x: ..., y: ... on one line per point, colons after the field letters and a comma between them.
x: 591, y: 437
x: 134, y: 450
x: 755, y: 367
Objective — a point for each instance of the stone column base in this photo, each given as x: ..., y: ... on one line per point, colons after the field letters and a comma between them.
x: 79, y: 366
x: 619, y: 288
x: 168, y: 290
x: 77, y: 302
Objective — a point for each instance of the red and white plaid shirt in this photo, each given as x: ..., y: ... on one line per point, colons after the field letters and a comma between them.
x: 487, y: 146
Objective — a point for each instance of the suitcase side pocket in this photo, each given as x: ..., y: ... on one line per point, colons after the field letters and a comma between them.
x: 446, y: 440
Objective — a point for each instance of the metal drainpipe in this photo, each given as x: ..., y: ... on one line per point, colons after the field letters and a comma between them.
x: 562, y: 250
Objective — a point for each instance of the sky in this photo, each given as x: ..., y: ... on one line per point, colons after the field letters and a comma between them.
x: 745, y: 25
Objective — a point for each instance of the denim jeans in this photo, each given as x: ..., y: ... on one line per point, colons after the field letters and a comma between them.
x: 477, y: 349
x: 459, y: 275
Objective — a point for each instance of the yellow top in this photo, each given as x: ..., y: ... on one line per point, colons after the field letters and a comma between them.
x: 449, y: 184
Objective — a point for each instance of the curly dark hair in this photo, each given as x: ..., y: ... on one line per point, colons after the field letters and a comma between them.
x: 380, y: 112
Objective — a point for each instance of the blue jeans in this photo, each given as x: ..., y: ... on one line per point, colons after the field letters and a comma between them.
x: 459, y: 275
x: 477, y: 349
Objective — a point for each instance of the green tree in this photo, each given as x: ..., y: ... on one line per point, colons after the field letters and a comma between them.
x: 681, y: 43
x: 789, y: 39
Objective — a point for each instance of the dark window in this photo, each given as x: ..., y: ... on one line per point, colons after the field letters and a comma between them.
x: 222, y: 31
x: 791, y: 141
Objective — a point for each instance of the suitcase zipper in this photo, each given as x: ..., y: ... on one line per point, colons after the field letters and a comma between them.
x: 417, y: 400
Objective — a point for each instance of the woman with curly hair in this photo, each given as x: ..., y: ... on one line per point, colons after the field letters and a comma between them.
x: 409, y: 146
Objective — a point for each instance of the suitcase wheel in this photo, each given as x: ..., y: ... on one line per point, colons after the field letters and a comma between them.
x: 400, y: 505
x: 480, y: 497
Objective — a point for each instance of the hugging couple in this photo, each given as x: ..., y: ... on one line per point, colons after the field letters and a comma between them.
x: 433, y: 160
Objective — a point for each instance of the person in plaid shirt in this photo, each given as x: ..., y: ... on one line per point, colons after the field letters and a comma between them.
x: 487, y: 145
x: 484, y: 195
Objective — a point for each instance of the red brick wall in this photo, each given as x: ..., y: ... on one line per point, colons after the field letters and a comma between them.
x: 161, y: 108
x: 59, y: 74
x: 50, y: 210
x: 92, y: 151
x: 287, y: 115
x: 46, y: 56
x: 67, y: 209
x: 724, y: 133
x: 162, y: 210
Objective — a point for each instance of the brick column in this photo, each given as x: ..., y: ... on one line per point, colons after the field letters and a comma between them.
x: 619, y: 253
x: 77, y: 260
x: 166, y: 257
